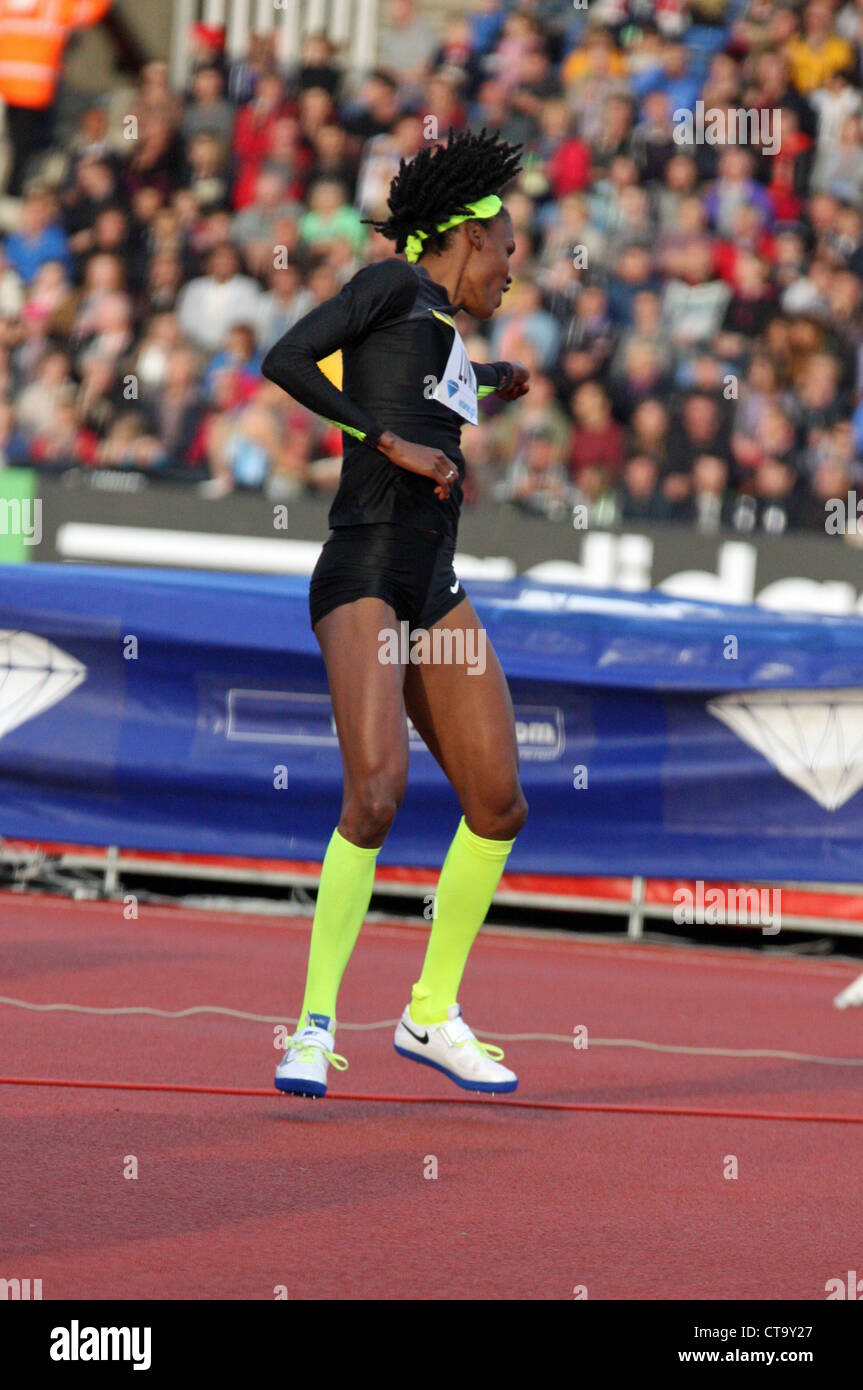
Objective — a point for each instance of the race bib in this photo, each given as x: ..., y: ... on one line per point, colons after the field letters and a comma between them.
x: 457, y: 390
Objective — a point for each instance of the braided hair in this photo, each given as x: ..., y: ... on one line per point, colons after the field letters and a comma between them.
x: 441, y: 181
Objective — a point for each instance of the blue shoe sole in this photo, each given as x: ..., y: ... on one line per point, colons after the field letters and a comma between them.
x: 313, y: 1090
x: 495, y: 1088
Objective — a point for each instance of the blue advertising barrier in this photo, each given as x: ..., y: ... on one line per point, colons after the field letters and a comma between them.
x: 188, y: 712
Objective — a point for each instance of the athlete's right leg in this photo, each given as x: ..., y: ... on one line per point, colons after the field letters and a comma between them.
x: 368, y: 706
x: 369, y: 712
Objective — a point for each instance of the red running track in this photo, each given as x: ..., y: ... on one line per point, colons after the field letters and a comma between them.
x: 239, y: 1193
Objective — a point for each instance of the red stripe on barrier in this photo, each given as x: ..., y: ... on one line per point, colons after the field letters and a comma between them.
x: 796, y: 902
x: 658, y: 892
x: 616, y: 888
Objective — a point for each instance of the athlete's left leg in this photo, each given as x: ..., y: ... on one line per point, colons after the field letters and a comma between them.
x: 461, y: 707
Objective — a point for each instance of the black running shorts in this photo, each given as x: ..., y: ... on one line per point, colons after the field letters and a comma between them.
x: 410, y: 570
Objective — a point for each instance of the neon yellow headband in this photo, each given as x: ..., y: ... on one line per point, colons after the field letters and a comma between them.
x: 483, y: 208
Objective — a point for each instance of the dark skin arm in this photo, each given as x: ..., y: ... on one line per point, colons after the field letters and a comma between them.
x: 518, y: 386
x: 419, y: 458
x: 432, y: 463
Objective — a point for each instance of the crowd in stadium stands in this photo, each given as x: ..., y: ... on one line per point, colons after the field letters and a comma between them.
x: 691, y: 312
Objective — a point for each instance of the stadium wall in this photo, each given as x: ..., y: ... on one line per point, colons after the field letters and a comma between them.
x: 184, y: 714
x: 113, y: 517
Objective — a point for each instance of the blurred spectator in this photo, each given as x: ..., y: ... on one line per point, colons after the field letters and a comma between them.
x: 254, y: 229
x: 734, y: 187
x: 157, y: 158
x: 209, y: 111
x: 838, y: 166
x: 128, y: 445
x: 318, y: 66
x: 649, y: 430
x: 536, y: 481
x: 99, y: 399
x: 694, y: 303
x: 407, y: 42
x: 701, y: 429
x: 207, y: 47
x: 595, y: 499
x: 14, y: 445
x: 690, y: 313
x: 11, y: 288
x: 522, y: 318
x: 445, y: 107
x: 778, y: 495
x: 60, y: 439
x: 641, y: 497
x: 155, y: 94
x: 834, y: 103
x: 334, y: 152
x: 164, y: 282
x: 832, y: 479
x: 33, y: 37
x: 175, y: 414
x: 210, y: 305
x: 255, y: 131
x: 330, y: 217
x: 94, y: 188
x: 710, y: 500
x: 31, y: 343
x: 111, y: 333
x: 819, y: 394
x: 246, y: 73
x: 380, y: 164
x: 567, y: 158
x: 640, y: 375
x: 492, y: 108
x: 154, y: 352
x: 751, y: 306
x: 316, y: 108
x: 816, y: 53
x: 282, y: 305
x: 40, y: 237
x: 541, y: 412
x: 376, y: 110
x: 239, y: 363
x: 207, y: 176
x: 36, y: 402
x: 599, y: 440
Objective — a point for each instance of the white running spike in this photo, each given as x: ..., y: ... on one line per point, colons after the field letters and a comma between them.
x: 452, y: 1048
x: 852, y: 996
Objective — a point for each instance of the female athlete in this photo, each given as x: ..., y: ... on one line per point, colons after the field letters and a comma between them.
x: 408, y: 386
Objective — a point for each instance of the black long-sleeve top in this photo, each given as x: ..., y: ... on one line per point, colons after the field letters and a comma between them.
x: 399, y: 345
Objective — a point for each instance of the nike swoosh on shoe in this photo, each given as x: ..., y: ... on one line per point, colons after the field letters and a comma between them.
x: 415, y: 1035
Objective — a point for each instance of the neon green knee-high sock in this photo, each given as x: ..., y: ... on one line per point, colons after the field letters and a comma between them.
x: 469, y: 877
x: 347, y: 876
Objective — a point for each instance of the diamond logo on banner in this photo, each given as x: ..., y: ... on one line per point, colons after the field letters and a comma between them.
x: 34, y: 675
x: 814, y: 738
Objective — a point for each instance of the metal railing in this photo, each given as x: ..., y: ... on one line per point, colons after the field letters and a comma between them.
x: 350, y: 23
